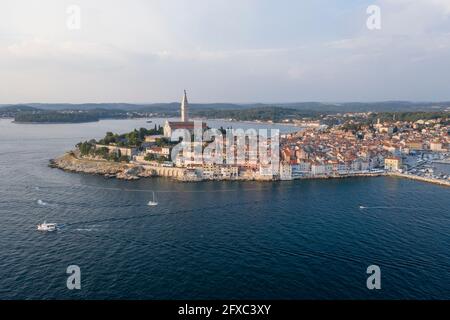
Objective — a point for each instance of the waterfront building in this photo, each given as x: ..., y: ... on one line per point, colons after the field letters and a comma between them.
x: 285, y: 171
x: 210, y: 171
x: 266, y: 170
x: 360, y: 165
x: 229, y: 172
x: 207, y: 174
x: 302, y: 167
x: 393, y: 163
x: 319, y: 169
x: 160, y: 151
x: 436, y: 146
x: 343, y: 168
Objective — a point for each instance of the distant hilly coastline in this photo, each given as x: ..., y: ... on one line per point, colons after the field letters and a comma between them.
x: 314, y: 106
x: 88, y: 112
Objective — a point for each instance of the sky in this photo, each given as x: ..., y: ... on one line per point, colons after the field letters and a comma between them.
x: 145, y: 51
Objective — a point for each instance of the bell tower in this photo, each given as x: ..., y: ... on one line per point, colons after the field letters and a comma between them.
x: 184, y: 108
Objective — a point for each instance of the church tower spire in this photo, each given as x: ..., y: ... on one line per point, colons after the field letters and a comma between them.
x: 184, y: 108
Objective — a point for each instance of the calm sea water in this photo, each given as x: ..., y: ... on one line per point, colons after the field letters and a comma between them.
x: 286, y: 240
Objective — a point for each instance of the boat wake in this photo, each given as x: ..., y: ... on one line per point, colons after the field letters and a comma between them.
x: 385, y: 207
x: 42, y: 203
x: 86, y: 229
x: 159, y: 191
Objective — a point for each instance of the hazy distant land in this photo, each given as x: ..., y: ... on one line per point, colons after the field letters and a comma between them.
x: 275, y: 112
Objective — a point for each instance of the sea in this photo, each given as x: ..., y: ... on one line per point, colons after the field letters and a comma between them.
x: 304, y: 239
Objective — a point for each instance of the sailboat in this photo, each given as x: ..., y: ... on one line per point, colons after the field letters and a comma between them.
x: 153, y: 202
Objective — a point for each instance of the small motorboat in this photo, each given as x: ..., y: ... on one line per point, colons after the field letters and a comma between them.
x: 49, y: 227
x: 153, y: 202
x: 362, y: 207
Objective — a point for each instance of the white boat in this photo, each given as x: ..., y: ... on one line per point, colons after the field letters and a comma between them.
x: 47, y: 226
x: 362, y: 207
x: 153, y: 202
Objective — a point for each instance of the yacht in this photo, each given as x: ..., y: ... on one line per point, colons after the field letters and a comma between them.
x: 46, y: 226
x: 153, y: 202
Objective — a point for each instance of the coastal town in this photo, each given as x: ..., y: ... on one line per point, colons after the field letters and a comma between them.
x: 359, y: 144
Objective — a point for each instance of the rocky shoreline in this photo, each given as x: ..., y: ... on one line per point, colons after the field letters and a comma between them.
x: 71, y: 162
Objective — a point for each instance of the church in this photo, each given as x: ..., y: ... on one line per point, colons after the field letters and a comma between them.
x: 171, y: 126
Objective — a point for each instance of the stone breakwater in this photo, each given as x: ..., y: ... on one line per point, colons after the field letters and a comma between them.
x: 419, y: 178
x: 342, y: 176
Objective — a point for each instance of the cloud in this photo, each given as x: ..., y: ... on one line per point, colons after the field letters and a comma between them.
x: 415, y: 17
x: 39, y: 48
x: 246, y: 51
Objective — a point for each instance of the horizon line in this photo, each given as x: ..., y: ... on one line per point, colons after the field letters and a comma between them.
x: 237, y: 103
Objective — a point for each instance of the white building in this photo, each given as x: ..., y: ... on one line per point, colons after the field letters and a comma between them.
x: 285, y: 171
x: 229, y: 172
x: 318, y: 169
x: 436, y: 146
x: 267, y: 170
x: 161, y: 151
x: 301, y: 169
x: 210, y: 172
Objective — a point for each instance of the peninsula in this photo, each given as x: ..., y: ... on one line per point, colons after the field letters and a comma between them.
x: 402, y: 144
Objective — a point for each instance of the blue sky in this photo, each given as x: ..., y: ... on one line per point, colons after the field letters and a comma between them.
x: 224, y: 51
